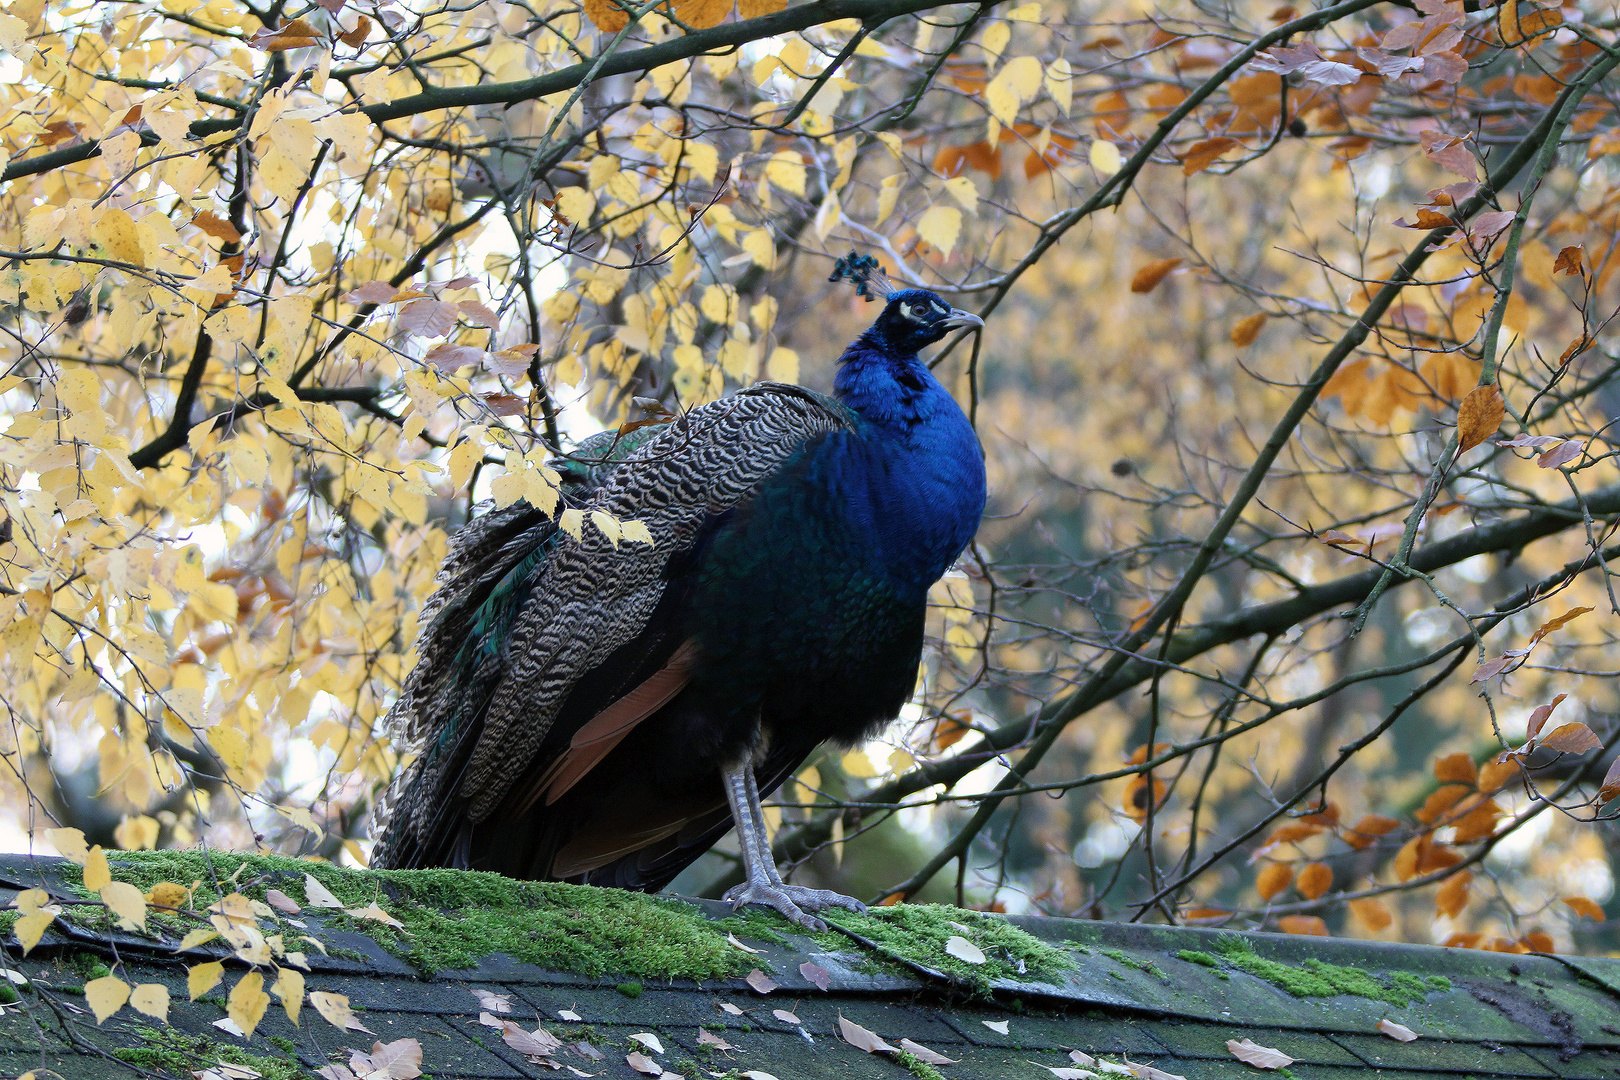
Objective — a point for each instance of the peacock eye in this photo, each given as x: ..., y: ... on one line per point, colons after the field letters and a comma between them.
x: 908, y: 311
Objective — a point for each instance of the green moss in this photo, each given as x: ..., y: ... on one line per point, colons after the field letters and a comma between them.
x: 1317, y: 979
x: 917, y: 1066
x: 1192, y: 956
x: 1119, y: 956
x: 181, y: 1055
x: 918, y: 933
x: 631, y: 989
x: 453, y: 918
x: 1438, y: 982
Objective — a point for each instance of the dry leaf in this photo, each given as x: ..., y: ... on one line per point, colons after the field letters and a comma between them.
x: 1246, y: 330
x: 1398, y: 1032
x: 1148, y: 277
x: 760, y: 981
x: 707, y: 1039
x: 1574, y: 738
x: 649, y: 1040
x: 964, y: 950
x: 335, y: 1009
x: 816, y: 974
x: 536, y: 1043
x: 398, y: 1060
x: 375, y: 914
x: 495, y: 1003
x: 1314, y: 879
x: 1538, y: 717
x: 860, y: 1038
x: 729, y: 1009
x: 281, y: 901
x: 569, y: 1015
x: 317, y: 895
x: 1479, y: 416
x: 925, y: 1055
x: 785, y: 1016
x: 643, y: 1064
x: 997, y: 1026
x: 1148, y: 1072
x: 1583, y: 906
x: 1261, y: 1057
x: 732, y: 940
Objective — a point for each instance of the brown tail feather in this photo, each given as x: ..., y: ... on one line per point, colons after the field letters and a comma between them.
x: 599, y: 735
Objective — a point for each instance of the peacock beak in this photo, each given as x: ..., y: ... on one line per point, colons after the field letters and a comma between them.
x: 959, y: 318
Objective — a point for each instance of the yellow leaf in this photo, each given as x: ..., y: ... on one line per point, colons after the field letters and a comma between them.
x: 856, y: 763
x: 572, y: 522
x: 760, y: 248
x: 1105, y: 157
x: 96, y: 874
x: 116, y: 231
x: 335, y: 1008
x: 203, y: 978
x: 106, y: 995
x: 69, y: 843
x: 151, y: 999
x: 962, y: 190
x: 633, y: 531
x: 125, y: 901
x: 194, y: 938
x: 29, y: 928
x: 575, y: 204
x: 247, y: 1002
x: 940, y: 227
x: 1060, y: 83
x: 290, y: 989
x: 786, y: 171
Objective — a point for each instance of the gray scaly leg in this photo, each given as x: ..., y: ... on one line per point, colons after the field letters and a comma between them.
x: 764, y: 885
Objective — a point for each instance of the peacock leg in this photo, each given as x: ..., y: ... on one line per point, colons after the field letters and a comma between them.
x: 764, y: 885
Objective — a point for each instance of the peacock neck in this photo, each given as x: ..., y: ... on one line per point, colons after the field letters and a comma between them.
x: 914, y: 483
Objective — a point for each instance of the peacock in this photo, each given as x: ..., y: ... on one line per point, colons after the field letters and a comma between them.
x: 598, y: 710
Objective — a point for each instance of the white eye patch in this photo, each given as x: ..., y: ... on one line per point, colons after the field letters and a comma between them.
x: 908, y: 311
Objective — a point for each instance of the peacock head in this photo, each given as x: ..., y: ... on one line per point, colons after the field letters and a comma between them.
x: 911, y: 318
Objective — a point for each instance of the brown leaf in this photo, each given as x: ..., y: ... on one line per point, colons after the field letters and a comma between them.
x: 760, y: 981
x: 1560, y: 455
x: 372, y: 292
x: 1522, y: 23
x: 354, y: 38
x: 1261, y: 1057
x: 1246, y: 330
x: 1574, y: 738
x: 1148, y: 277
x: 1202, y: 154
x: 815, y: 973
x: 1539, y: 716
x: 216, y: 226
x: 1426, y: 219
x: 536, y: 1043
x: 1398, y: 1032
x: 862, y: 1039
x: 1611, y: 782
x: 1455, y: 769
x: 398, y: 1060
x: 753, y: 9
x: 643, y: 1064
x: 708, y: 1039
x: 1490, y: 224
x: 294, y: 34
x: 1583, y: 906
x: 433, y: 318
x: 495, y: 1003
x: 1569, y: 260
x: 1559, y: 623
x: 1479, y: 416
x: 1450, y: 152
x: 1453, y: 895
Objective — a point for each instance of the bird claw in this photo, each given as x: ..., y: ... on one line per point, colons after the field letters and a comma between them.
x: 794, y: 902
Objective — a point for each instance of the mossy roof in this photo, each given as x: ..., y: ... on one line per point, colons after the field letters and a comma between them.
x: 1165, y: 996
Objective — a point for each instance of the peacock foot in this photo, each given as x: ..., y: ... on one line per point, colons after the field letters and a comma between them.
x: 794, y: 902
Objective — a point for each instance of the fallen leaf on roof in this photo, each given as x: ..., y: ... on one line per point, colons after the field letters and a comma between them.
x: 398, y: 1060
x: 580, y: 1072
x: 1063, y: 1072
x: 862, y: 1039
x: 707, y: 1039
x: 1148, y: 1072
x: 224, y: 1070
x: 925, y: 1055
x: 281, y: 902
x: 491, y: 1020
x: 585, y: 1049
x: 815, y: 973
x: 1080, y: 1057
x: 997, y: 1026
x: 760, y: 981
x: 568, y: 1014
x: 335, y: 1008
x: 649, y: 1040
x: 964, y: 950
x: 729, y: 1009
x: 495, y: 1003
x: 329, y: 1072
x: 1261, y: 1057
x: 376, y: 914
x: 318, y: 895
x: 784, y: 1016
x: 1398, y: 1032
x: 226, y: 1024
x: 644, y: 1064
x: 756, y: 1074
x: 731, y: 939
x: 536, y: 1043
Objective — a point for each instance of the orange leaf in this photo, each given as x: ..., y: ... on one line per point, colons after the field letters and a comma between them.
x: 1136, y: 796
x: 948, y: 731
x: 702, y: 14
x: 1147, y: 278
x: 1314, y: 880
x: 1201, y: 155
x: 216, y: 226
x: 1583, y: 906
x: 1310, y: 925
x: 1569, y: 260
x: 1478, y: 824
x: 1464, y: 941
x: 1496, y: 775
x: 1292, y: 833
x: 753, y: 9
x: 892, y: 899
x: 1371, y: 913
x: 1248, y: 329
x: 1539, y: 941
x: 1273, y: 880
x: 1456, y: 769
x: 1198, y: 913
x: 1453, y: 895
x: 1143, y: 752
x: 1558, y: 623
x: 607, y: 15
x: 1478, y: 417
x: 1432, y: 857
x: 1368, y: 829
x: 1439, y: 801
x: 354, y: 38
x: 1532, y: 727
